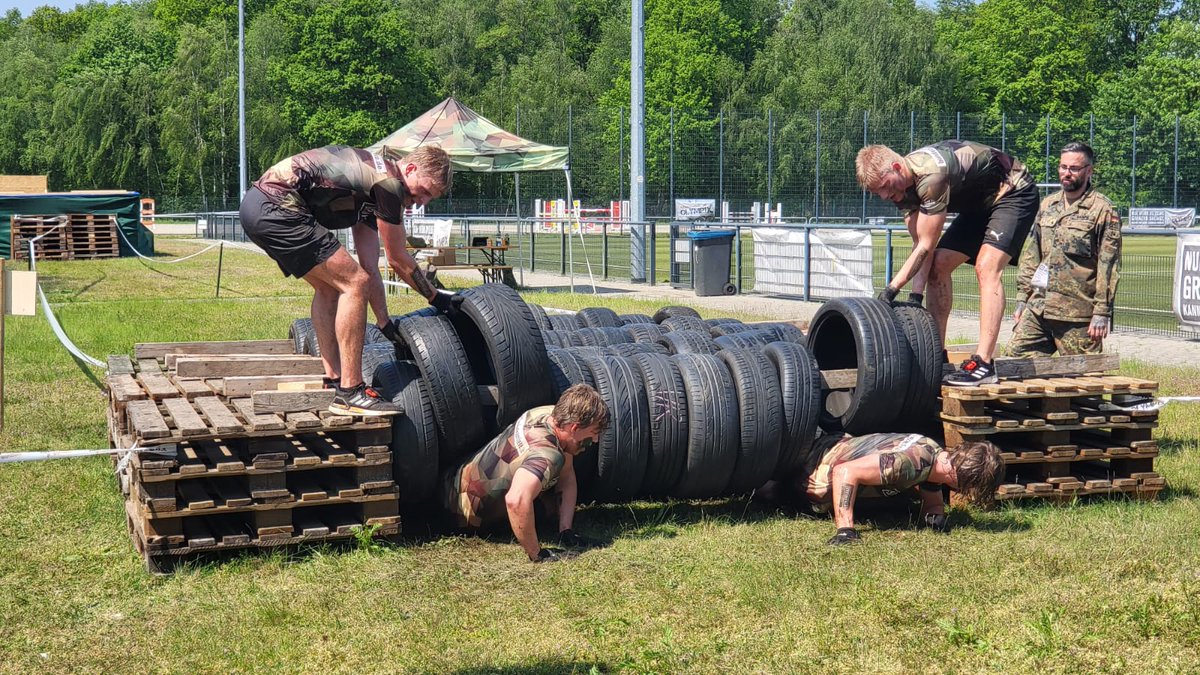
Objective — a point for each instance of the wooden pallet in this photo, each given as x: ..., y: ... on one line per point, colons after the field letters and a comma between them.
x: 54, y: 245
x: 1061, y: 436
x: 223, y: 475
x: 93, y: 235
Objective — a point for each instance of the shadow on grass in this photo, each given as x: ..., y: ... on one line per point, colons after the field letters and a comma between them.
x: 547, y: 666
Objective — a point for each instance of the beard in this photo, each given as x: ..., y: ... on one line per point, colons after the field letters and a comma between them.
x: 1073, y: 183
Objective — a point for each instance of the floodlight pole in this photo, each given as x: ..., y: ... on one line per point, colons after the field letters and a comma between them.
x: 637, y: 146
x: 241, y: 100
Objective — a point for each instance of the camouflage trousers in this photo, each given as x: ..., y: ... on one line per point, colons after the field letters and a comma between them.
x: 1036, y: 335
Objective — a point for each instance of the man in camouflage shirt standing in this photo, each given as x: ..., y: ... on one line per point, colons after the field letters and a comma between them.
x: 845, y: 467
x: 996, y: 202
x: 532, y: 456
x: 290, y: 213
x: 1068, y: 276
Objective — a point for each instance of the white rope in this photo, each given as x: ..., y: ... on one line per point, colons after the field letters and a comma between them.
x: 54, y: 325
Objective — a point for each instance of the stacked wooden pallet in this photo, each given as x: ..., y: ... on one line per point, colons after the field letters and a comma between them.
x: 223, y: 475
x: 82, y: 235
x: 1062, y: 436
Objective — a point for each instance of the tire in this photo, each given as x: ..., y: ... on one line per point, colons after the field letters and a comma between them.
x: 564, y: 322
x: 643, y: 332
x: 374, y: 356
x: 674, y: 310
x: 539, y: 315
x: 553, y: 338
x: 592, y: 337
x: 784, y: 332
x: 721, y: 320
x: 684, y: 323
x: 860, y: 333
x: 440, y: 356
x: 712, y: 446
x: 800, y: 396
x: 300, y: 332
x: 628, y: 349
x: 919, y: 408
x: 414, y: 434
x: 688, y: 342
x: 598, y: 317
x: 668, y: 410
x: 566, y: 370
x: 622, y: 451
x: 628, y: 319
x: 374, y: 336
x: 505, y: 346
x: 745, y: 340
x: 719, y: 329
x: 616, y: 336
x: 756, y: 383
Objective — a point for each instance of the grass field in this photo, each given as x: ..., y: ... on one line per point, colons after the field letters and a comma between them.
x: 719, y: 586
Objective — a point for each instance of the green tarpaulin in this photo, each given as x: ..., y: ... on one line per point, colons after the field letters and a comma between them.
x: 127, y: 207
x: 473, y: 142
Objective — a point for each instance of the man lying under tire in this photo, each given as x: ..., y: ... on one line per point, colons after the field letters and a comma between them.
x: 844, y: 468
x: 533, y: 455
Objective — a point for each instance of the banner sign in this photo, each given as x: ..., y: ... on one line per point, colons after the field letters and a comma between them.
x: 1147, y: 218
x: 1186, y: 301
x: 695, y: 209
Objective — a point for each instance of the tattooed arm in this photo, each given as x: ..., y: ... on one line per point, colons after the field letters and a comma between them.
x: 846, y: 479
x: 395, y: 240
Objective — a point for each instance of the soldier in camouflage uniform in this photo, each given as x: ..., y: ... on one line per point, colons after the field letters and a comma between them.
x: 533, y: 455
x: 290, y: 212
x: 996, y: 202
x: 888, y: 464
x: 1068, y: 278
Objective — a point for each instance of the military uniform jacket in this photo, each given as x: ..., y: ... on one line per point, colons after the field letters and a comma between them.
x: 1081, y: 247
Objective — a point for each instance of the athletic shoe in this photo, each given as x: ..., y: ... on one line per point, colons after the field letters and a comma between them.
x: 362, y: 400
x: 972, y: 372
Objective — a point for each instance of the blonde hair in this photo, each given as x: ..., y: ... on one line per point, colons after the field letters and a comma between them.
x: 432, y: 161
x: 873, y: 163
x: 978, y: 469
x: 580, y: 404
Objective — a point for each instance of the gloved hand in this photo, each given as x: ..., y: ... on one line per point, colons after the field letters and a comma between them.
x: 936, y: 522
x: 888, y: 294
x: 447, y: 303
x: 916, y: 298
x: 1098, y: 328
x: 390, y: 332
x: 845, y: 535
x: 1018, y: 312
x: 572, y: 539
x: 545, y: 555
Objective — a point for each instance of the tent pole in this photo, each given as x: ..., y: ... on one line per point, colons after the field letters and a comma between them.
x: 582, y: 242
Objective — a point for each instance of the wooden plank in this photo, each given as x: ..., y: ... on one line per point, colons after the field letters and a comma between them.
x: 232, y: 495
x: 257, y: 421
x: 219, y: 416
x: 146, y: 421
x: 222, y: 457
x: 157, y: 385
x: 157, y: 350
x: 120, y: 364
x: 125, y: 388
x: 191, y: 387
x: 1077, y: 364
x: 149, y: 366
x: 198, y: 533
x: 195, y: 496
x: 310, y: 526
x: 291, y: 401
x: 246, y: 385
x: 185, y: 418
x: 217, y: 366
x: 839, y: 379
x: 303, y: 420
x: 191, y: 461
x: 307, y: 490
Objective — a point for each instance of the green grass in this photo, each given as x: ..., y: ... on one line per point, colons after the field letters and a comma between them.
x: 718, y: 586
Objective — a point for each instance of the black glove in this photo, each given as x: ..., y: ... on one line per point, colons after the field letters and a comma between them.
x: 545, y: 555
x: 936, y: 522
x: 888, y: 294
x: 845, y: 535
x: 572, y: 539
x: 447, y: 303
x: 916, y: 298
x: 390, y: 332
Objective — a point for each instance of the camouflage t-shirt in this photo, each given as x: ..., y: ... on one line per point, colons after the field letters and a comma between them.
x: 339, y: 185
x: 905, y: 460
x: 960, y: 176
x: 474, y: 492
x: 1080, y: 245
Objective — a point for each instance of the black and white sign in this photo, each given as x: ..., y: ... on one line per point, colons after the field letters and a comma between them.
x: 695, y: 209
x: 1147, y: 218
x: 1187, y: 278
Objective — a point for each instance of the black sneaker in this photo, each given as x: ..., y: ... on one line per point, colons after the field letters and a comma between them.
x: 973, y: 371
x: 362, y: 400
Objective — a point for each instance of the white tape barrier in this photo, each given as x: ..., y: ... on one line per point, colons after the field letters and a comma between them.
x: 157, y: 260
x: 53, y: 320
x: 1159, y: 403
x: 49, y: 455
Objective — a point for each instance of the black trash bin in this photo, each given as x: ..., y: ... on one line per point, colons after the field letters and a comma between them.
x: 711, y: 250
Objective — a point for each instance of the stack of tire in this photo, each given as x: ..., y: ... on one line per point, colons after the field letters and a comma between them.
x: 699, y: 408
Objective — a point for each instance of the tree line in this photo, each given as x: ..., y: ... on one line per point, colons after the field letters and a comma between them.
x: 143, y: 95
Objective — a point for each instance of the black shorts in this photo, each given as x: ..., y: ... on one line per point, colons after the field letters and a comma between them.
x: 1004, y: 226
x: 296, y: 241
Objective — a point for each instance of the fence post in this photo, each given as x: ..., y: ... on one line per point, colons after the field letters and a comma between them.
x: 1047, y: 147
x: 1133, y: 168
x: 863, y: 218
x: 517, y: 174
x: 671, y: 183
x: 621, y: 157
x: 1003, y: 132
x: 653, y: 251
x: 220, y: 265
x: 737, y: 249
x: 888, y: 261
x: 808, y: 260
x: 720, y: 159
x: 1092, y: 129
x: 912, y: 128
x: 958, y: 125
x: 1175, y: 181
x: 770, y: 158
x: 604, y: 244
x: 817, y: 190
